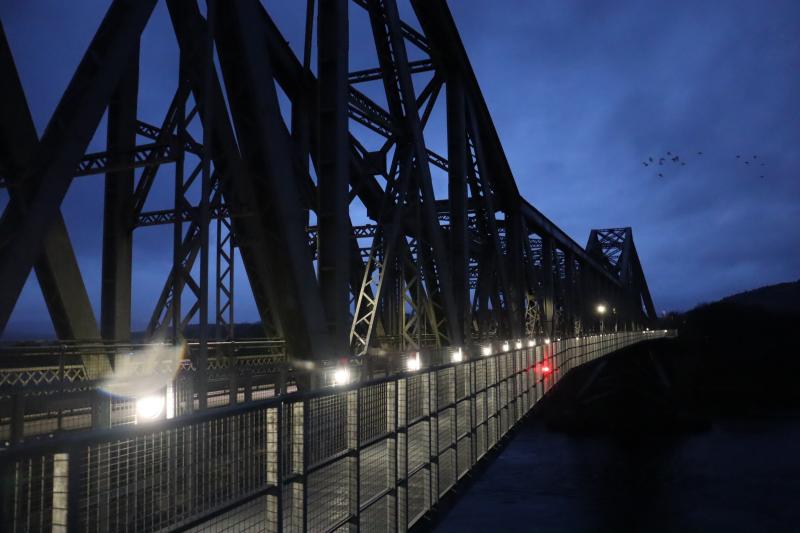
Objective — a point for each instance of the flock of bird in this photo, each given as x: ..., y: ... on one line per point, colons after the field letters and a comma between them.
x: 675, y: 159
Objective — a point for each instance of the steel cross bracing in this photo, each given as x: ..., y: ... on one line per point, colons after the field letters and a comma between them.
x: 333, y: 205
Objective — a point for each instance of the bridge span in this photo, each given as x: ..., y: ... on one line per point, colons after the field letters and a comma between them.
x: 411, y: 306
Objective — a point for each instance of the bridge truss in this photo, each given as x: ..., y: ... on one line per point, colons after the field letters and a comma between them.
x: 356, y: 237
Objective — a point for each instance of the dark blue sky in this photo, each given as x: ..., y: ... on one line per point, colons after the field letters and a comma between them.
x: 581, y: 93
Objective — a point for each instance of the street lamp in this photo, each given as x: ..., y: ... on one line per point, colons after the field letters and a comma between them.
x: 601, y: 310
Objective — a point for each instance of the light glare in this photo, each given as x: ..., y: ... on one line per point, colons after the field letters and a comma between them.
x: 413, y: 363
x: 341, y: 376
x: 149, y: 407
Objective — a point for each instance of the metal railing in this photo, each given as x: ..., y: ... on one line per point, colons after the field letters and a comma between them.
x: 45, y: 389
x: 372, y: 456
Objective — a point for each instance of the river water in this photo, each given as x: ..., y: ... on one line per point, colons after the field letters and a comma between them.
x: 742, y: 474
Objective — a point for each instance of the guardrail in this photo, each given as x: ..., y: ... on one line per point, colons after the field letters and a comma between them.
x: 375, y: 455
x: 45, y: 389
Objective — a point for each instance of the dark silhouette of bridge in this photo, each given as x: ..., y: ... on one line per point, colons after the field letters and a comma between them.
x: 440, y: 318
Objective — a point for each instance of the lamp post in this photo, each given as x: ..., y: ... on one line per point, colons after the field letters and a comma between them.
x: 601, y: 310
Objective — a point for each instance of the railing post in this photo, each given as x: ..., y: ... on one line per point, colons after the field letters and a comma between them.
x: 67, y: 478
x: 433, y: 439
x: 282, y: 447
x: 497, y: 407
x: 354, y: 443
x: 473, y: 405
x: 305, y: 443
x: 18, y: 418
x: 395, y: 453
x: 455, y: 424
x: 8, y: 483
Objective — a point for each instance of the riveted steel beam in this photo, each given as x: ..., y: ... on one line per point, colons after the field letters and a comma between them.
x: 23, y: 227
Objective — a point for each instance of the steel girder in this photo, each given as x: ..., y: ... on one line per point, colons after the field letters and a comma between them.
x: 192, y: 32
x: 115, y: 311
x: 427, y: 271
x: 56, y: 267
x: 266, y: 146
x: 615, y: 247
x: 24, y: 227
x: 334, y: 167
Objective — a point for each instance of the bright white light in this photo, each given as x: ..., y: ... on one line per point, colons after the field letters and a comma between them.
x: 457, y: 356
x: 518, y: 345
x: 170, y: 400
x: 149, y: 407
x: 531, y: 343
x: 547, y: 341
x: 601, y: 309
x: 413, y: 363
x: 341, y: 376
x: 486, y: 350
x: 505, y: 347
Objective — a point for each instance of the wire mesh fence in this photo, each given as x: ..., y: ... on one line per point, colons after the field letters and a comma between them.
x: 371, y: 456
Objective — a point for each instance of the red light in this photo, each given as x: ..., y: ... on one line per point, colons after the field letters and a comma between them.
x: 545, y: 369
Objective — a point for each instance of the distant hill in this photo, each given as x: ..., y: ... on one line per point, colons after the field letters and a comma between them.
x: 780, y: 298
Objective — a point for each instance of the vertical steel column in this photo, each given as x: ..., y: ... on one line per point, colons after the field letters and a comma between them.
x: 333, y: 164
x: 569, y: 293
x: 115, y: 307
x: 457, y: 195
x: 516, y: 233
x: 201, y: 361
x: 177, y: 228
x: 225, y: 279
x: 548, y: 297
x: 334, y: 171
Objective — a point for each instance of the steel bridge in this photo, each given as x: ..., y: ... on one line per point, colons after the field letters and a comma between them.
x: 412, y: 305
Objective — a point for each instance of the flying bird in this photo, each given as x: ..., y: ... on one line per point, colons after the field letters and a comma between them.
x: 738, y: 156
x: 669, y: 153
x: 683, y: 164
x: 660, y: 175
x: 699, y: 153
x: 651, y: 159
x: 644, y: 163
x: 747, y: 162
x: 675, y: 159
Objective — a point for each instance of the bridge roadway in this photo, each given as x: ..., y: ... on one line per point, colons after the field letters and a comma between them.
x: 372, y: 455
